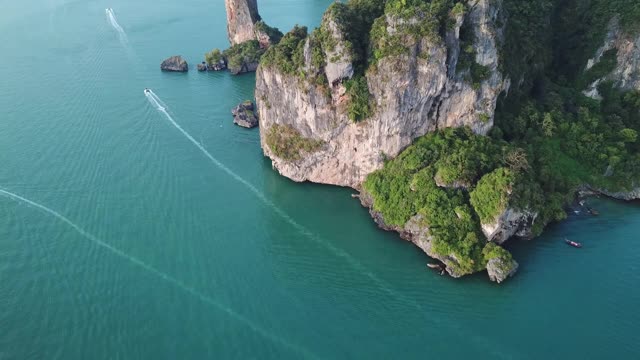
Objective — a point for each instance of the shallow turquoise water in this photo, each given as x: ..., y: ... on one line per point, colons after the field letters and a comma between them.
x: 184, y: 261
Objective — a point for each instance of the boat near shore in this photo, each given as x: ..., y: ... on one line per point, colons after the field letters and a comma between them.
x: 573, y: 243
x: 438, y: 267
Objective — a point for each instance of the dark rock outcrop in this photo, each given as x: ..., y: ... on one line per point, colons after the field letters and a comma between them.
x: 244, y: 68
x: 174, y: 63
x: 202, y: 66
x: 510, y: 222
x: 244, y: 115
x: 219, y: 66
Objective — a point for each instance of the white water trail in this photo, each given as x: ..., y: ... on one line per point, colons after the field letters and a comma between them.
x: 112, y: 20
x: 171, y: 280
x: 161, y: 106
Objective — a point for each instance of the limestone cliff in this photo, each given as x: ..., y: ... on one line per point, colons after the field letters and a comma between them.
x: 242, y: 15
x: 420, y: 89
x: 626, y: 65
x: 510, y: 222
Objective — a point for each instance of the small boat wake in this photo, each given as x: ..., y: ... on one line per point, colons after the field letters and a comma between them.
x: 114, y: 23
x: 158, y: 273
x: 157, y: 103
x: 162, y: 107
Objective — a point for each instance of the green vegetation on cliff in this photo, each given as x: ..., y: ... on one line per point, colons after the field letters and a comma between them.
x: 213, y: 57
x: 287, y: 56
x: 361, y: 27
x: 570, y: 139
x: 412, y: 21
x: 248, y: 52
x: 491, y: 195
x: 245, y: 53
x: 548, y: 137
x: 492, y: 251
x: 579, y: 27
x: 458, y: 160
x: 476, y: 73
x: 274, y: 34
x: 286, y: 142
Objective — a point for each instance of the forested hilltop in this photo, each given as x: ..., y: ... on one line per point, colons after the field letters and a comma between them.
x: 464, y: 123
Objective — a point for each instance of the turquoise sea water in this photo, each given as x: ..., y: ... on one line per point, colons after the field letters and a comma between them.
x: 153, y: 251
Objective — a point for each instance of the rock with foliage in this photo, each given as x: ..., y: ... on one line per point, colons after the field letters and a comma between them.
x: 244, y: 115
x: 174, y: 63
x: 249, y: 37
x: 267, y: 35
x: 376, y: 75
x: 440, y: 68
x: 215, y: 61
x: 289, y: 144
x: 492, y: 199
x: 447, y: 222
x: 337, y: 50
x: 500, y: 263
x: 244, y: 57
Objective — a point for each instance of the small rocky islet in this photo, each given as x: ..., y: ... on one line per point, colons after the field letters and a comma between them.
x: 461, y: 128
x: 175, y: 64
x: 244, y: 115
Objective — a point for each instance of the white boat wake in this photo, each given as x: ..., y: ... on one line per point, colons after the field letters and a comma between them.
x: 162, y: 107
x: 114, y: 23
x: 169, y: 279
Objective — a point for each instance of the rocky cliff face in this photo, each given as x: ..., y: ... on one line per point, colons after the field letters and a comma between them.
x: 413, y: 93
x: 174, y: 63
x: 626, y: 72
x: 242, y: 16
x: 511, y: 222
x: 633, y: 194
x: 498, y: 268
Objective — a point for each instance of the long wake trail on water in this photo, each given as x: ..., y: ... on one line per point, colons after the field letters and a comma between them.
x: 169, y: 279
x: 162, y: 107
x: 114, y: 23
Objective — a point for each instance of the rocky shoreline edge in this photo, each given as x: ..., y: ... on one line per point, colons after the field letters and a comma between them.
x: 497, y: 271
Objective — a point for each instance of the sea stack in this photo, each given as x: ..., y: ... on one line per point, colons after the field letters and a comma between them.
x: 244, y: 115
x: 242, y: 16
x: 174, y: 63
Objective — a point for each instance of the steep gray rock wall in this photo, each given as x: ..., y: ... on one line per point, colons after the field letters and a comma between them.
x: 412, y: 94
x: 626, y: 74
x: 462, y: 104
x: 509, y: 223
x: 339, y: 59
x: 242, y: 16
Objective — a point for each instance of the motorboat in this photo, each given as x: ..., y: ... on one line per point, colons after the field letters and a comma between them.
x: 573, y: 243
